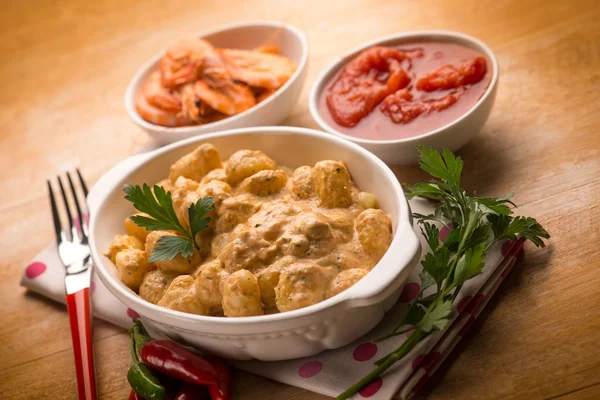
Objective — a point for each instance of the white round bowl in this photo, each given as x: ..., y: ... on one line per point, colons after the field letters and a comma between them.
x: 292, y: 44
x: 332, y: 323
x: 452, y: 136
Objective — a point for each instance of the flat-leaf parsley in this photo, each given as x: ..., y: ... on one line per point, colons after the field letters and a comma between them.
x: 475, y: 224
x: 158, y: 204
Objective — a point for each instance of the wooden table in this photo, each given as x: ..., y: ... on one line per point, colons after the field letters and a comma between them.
x: 64, y: 70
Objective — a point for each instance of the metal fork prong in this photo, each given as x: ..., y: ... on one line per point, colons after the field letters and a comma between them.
x: 74, y: 234
x: 82, y: 222
x: 82, y: 182
x: 55, y: 217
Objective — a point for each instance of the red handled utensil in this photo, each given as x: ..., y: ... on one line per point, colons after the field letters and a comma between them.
x: 74, y: 253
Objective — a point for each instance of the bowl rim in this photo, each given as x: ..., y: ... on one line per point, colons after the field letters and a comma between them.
x: 405, y: 243
x: 152, y: 63
x: 446, y: 35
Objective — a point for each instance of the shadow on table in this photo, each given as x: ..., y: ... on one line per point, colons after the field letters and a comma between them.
x: 51, y: 303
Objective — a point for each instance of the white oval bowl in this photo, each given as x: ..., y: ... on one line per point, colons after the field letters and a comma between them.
x: 292, y: 44
x: 332, y: 323
x: 452, y: 136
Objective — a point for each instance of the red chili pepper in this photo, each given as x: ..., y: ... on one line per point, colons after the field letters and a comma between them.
x: 172, y: 359
x: 191, y: 391
x: 223, y: 392
x: 134, y: 396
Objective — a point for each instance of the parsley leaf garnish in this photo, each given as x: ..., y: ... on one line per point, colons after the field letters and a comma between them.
x: 168, y: 247
x: 475, y: 224
x: 436, y: 318
x: 158, y: 205
x: 436, y: 264
x: 469, y: 264
x: 197, y: 214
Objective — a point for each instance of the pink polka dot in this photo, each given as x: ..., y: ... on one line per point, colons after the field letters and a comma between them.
x: 35, y: 269
x: 93, y: 287
x: 421, y: 383
x: 462, y: 305
x: 132, y: 314
x: 430, y: 361
x: 444, y: 232
x: 365, y: 352
x: 409, y: 292
x: 371, y: 388
x: 418, y: 360
x: 310, y: 369
x: 506, y: 247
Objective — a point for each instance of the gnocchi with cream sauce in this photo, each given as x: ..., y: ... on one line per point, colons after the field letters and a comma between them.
x: 279, y: 239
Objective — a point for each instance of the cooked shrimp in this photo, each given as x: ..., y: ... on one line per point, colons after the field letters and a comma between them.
x: 259, y: 69
x: 158, y: 96
x: 182, y: 63
x: 198, y: 84
x: 160, y: 106
x: 196, y: 109
x: 225, y: 96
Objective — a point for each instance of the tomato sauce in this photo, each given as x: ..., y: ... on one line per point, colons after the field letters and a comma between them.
x: 388, y: 93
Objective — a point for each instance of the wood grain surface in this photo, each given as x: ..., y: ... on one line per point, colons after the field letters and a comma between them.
x: 64, y: 69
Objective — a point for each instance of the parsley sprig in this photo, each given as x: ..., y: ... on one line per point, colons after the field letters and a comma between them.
x: 475, y: 224
x: 161, y: 216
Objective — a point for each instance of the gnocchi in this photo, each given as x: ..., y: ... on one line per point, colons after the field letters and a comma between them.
x: 132, y: 265
x: 301, y: 285
x: 135, y: 230
x: 279, y: 239
x: 245, y: 163
x: 154, y: 285
x: 196, y: 164
x: 177, y: 265
x: 241, y: 295
x: 123, y: 242
x: 181, y: 296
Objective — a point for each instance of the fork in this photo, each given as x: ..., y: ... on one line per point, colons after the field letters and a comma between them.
x: 74, y: 253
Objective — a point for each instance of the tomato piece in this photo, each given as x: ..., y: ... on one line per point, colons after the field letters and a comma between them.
x: 364, y: 83
x: 401, y: 109
x: 451, y: 76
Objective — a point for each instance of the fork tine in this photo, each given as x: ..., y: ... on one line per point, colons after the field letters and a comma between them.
x: 55, y: 216
x: 74, y: 233
x: 82, y: 223
x: 83, y: 185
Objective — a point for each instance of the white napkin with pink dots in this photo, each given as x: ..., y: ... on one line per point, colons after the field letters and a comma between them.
x: 332, y: 371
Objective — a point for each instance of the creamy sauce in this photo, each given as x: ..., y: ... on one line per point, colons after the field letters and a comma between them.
x: 279, y: 239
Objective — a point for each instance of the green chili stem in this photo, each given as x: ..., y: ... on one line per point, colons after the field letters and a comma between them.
x: 140, y: 335
x: 134, y: 356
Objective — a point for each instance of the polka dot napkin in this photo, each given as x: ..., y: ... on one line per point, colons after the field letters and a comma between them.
x: 332, y: 371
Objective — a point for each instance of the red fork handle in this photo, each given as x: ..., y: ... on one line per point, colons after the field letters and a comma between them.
x: 78, y: 305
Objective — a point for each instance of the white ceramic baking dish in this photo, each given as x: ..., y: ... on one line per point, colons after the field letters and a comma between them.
x: 452, y: 136
x: 330, y: 324
x: 249, y: 35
